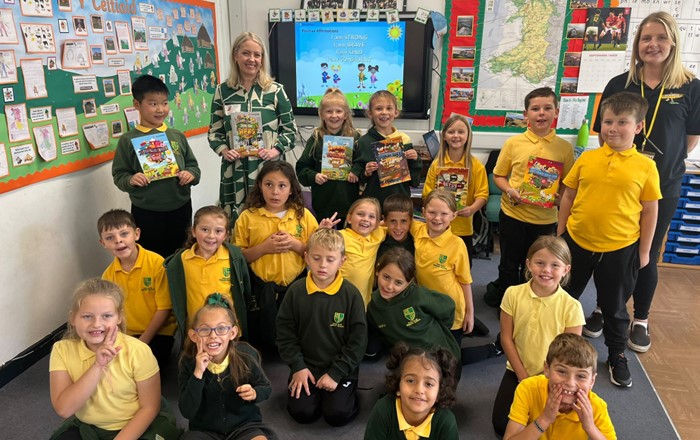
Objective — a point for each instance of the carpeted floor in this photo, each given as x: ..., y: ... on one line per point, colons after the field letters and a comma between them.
x: 636, y: 412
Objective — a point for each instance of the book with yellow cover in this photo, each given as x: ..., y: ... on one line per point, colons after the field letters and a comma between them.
x: 541, y: 182
x: 455, y: 180
x: 156, y: 156
x: 391, y: 160
x: 247, y: 133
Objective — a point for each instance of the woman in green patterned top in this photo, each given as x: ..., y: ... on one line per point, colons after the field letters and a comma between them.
x: 252, y: 98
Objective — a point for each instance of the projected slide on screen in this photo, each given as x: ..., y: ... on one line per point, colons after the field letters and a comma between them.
x: 358, y: 58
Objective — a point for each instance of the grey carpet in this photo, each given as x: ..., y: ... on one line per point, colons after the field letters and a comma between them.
x: 636, y: 412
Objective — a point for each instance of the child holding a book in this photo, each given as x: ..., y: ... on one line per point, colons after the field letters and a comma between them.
x: 160, y: 202
x: 331, y: 192
x: 457, y: 170
x: 391, y: 174
x: 537, y: 152
x: 272, y: 232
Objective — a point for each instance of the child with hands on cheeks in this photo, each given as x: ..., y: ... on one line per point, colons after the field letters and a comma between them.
x: 272, y: 232
x: 532, y: 315
x: 209, y: 263
x: 105, y: 383
x: 322, y: 336
x: 382, y: 110
x: 329, y: 196
x: 442, y: 263
x: 561, y: 404
x: 221, y: 379
x: 420, y: 390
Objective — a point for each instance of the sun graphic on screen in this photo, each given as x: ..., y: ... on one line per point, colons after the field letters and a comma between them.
x: 394, y: 33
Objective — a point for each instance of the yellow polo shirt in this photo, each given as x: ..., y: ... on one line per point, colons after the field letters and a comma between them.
x: 115, y: 400
x: 414, y: 432
x: 530, y: 400
x: 204, y: 277
x: 477, y: 188
x: 537, y: 321
x: 361, y: 253
x: 254, y: 226
x: 610, y: 187
x: 145, y: 289
x: 442, y: 265
x: 512, y: 163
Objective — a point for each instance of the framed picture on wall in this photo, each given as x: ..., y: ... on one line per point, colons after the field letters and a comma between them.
x: 326, y: 4
x: 96, y: 54
x: 108, y: 86
x: 62, y: 26
x: 79, y: 26
x: 76, y: 54
x: 38, y: 38
x: 110, y: 45
x: 65, y: 5
x: 97, y: 23
x: 8, y: 19
x: 8, y: 67
x: 382, y: 5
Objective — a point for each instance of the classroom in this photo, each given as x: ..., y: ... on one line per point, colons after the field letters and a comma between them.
x: 52, y: 244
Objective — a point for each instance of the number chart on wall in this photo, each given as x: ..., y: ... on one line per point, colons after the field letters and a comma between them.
x: 66, y: 68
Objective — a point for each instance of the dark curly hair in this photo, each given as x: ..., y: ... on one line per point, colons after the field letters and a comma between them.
x: 440, y: 358
x: 295, y: 201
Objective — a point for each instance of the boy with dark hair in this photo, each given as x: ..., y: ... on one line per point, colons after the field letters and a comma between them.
x: 398, y: 215
x: 607, y: 217
x: 543, y: 404
x: 322, y: 335
x: 162, y: 208
x: 141, y: 276
x: 520, y: 223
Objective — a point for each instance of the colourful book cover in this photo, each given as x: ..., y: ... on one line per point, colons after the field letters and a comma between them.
x: 156, y: 156
x: 247, y: 133
x: 391, y: 161
x: 541, y: 182
x: 455, y: 180
x: 336, y: 159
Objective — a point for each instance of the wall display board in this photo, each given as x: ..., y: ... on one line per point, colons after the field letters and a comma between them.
x: 66, y: 68
x: 499, y: 51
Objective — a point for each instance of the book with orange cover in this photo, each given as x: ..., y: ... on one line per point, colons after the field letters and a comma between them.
x: 391, y: 161
x: 541, y: 182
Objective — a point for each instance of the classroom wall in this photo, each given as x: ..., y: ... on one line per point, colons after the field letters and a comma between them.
x: 49, y: 236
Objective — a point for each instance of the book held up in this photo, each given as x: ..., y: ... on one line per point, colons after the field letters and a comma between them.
x: 336, y: 159
x: 391, y: 161
x: 456, y: 181
x: 541, y: 182
x: 156, y: 156
x: 247, y: 133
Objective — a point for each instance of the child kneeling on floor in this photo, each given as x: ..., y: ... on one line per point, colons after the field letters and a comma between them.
x: 561, y: 404
x: 322, y: 335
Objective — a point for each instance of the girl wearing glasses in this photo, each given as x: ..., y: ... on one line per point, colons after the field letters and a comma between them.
x: 221, y: 379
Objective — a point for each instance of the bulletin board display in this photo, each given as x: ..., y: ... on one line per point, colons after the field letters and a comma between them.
x: 497, y: 52
x: 66, y: 69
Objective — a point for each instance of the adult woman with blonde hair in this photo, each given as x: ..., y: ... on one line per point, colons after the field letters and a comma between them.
x: 249, y: 88
x: 671, y: 131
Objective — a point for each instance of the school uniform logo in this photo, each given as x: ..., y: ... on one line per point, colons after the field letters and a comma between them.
x: 176, y: 146
x: 338, y: 319
x: 442, y: 259
x: 410, y: 314
x: 226, y: 272
x: 147, y: 284
x: 300, y: 229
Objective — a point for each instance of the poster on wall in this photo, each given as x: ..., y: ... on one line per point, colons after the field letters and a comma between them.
x: 78, y: 60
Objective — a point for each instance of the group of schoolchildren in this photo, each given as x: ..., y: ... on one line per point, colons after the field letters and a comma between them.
x: 289, y: 281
